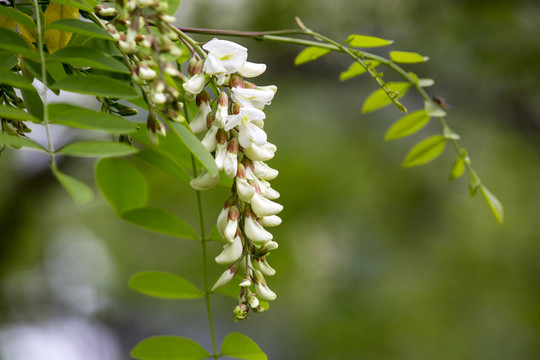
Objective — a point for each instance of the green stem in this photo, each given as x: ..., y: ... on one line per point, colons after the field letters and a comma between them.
x: 205, y: 265
x: 43, y: 80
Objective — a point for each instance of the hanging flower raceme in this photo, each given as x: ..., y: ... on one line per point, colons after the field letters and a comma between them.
x: 231, y: 128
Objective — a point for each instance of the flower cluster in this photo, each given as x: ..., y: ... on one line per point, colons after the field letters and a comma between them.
x: 233, y: 133
x: 148, y: 42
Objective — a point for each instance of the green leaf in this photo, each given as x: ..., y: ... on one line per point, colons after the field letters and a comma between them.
x: 96, y: 85
x: 357, y: 69
x: 379, y: 99
x: 10, y: 112
x: 164, y: 285
x: 425, y: 151
x: 406, y: 57
x: 80, y: 27
x: 8, y: 60
x: 18, y: 17
x: 457, y: 169
x: 14, y: 43
x: 164, y: 163
x: 170, y: 146
x: 89, y: 57
x: 201, y: 154
x: 79, y: 192
x: 33, y: 102
x: 407, y: 125
x: 433, y: 109
x: 474, y: 183
x: 96, y: 148
x: 160, y: 221
x: 10, y: 78
x: 35, y: 69
x: 309, y: 54
x: 168, y: 348
x: 363, y: 41
x: 18, y: 141
x: 121, y: 184
x: 79, y: 4
x: 173, y: 6
x: 77, y: 117
x: 241, y: 347
x: 494, y: 204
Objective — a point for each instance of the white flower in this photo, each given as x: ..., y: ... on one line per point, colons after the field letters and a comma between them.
x: 252, y: 301
x: 198, y: 124
x: 244, y: 190
x: 204, y: 181
x: 255, y: 98
x: 269, y: 246
x: 250, y: 70
x: 146, y: 73
x: 224, y: 57
x: 221, y: 154
x: 264, y: 207
x: 230, y: 165
x: 263, y: 171
x: 195, y: 84
x: 255, y: 232
x: 227, y: 276
x: 263, y: 267
x: 260, y: 153
x: 231, y: 252
x: 271, y: 221
x: 261, y: 288
x: 248, y: 133
x: 221, y: 223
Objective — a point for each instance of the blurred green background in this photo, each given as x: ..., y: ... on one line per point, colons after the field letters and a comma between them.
x: 375, y: 262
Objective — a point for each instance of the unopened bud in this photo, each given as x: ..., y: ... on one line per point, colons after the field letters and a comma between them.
x: 210, y: 117
x: 241, y: 312
x: 226, y: 277
x: 236, y: 81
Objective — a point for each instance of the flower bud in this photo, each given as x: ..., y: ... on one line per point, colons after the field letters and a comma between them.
x: 252, y: 301
x: 241, y: 312
x: 250, y: 69
x: 231, y: 252
x: 230, y: 165
x: 246, y: 282
x: 209, y: 141
x: 260, y: 153
x: 269, y: 246
x: 221, y: 154
x: 264, y: 207
x: 198, y: 124
x: 226, y: 277
x: 146, y: 73
x: 243, y: 189
x: 263, y: 171
x: 263, y: 267
x: 255, y: 232
x: 222, y: 109
x: 204, y: 181
x: 231, y: 230
x: 236, y: 81
x: 261, y: 288
x: 271, y: 221
x: 195, y: 84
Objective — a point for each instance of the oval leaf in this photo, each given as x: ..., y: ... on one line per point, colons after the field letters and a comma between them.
x: 89, y: 57
x: 309, y: 54
x: 407, y: 125
x: 10, y: 112
x: 241, y: 347
x: 457, y: 169
x: 164, y: 285
x: 201, y: 154
x: 168, y: 348
x: 494, y: 204
x: 18, y: 141
x: 97, y: 85
x: 79, y: 192
x: 79, y: 4
x: 74, y: 116
x: 11, y: 41
x: 379, y: 98
x: 121, y: 184
x: 425, y: 151
x: 80, y: 27
x: 406, y: 57
x: 56, y: 39
x: 10, y: 78
x: 164, y: 163
x: 366, y: 41
x: 33, y: 102
x: 160, y: 221
x: 8, y: 60
x: 97, y: 149
x: 357, y: 69
x: 18, y: 17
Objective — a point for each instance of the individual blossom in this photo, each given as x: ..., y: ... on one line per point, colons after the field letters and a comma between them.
x: 255, y: 98
x: 248, y: 131
x: 224, y: 57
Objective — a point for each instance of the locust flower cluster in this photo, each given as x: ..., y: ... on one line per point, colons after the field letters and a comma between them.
x: 233, y: 132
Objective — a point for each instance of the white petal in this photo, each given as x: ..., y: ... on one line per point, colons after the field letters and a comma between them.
x: 221, y: 153
x: 230, y: 55
x: 264, y: 292
x: 271, y: 221
x: 213, y: 65
x: 263, y: 267
x: 230, y: 165
x: 230, y: 230
x: 263, y: 171
x: 250, y: 69
x: 226, y: 277
x: 261, y: 153
x: 270, y: 194
x: 264, y: 207
x: 255, y: 232
x: 210, y: 141
x: 232, y: 120
x: 244, y: 190
x: 221, y: 116
x: 221, y: 222
x: 195, y: 84
x: 198, y: 124
x: 253, y: 98
x: 231, y: 252
x: 252, y: 301
x: 204, y: 181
